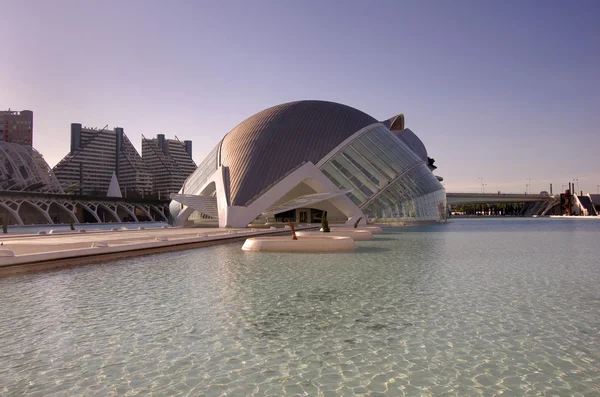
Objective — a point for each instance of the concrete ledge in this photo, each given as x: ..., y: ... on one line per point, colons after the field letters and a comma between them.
x: 303, y: 244
x: 100, y: 253
x: 355, y: 234
x: 6, y: 253
x: 373, y: 229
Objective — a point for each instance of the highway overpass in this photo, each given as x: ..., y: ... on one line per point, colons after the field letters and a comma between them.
x: 495, y: 198
x: 537, y: 204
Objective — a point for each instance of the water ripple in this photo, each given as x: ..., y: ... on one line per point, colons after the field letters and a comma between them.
x: 474, y: 307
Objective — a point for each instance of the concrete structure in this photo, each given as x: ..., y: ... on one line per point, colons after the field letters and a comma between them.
x: 22, y: 168
x: 373, y: 229
x: 21, y: 208
x: 21, y: 253
x: 16, y: 127
x: 31, y: 194
x: 169, y: 161
x: 318, y: 243
x: 313, y: 156
x: 535, y: 204
x: 493, y: 198
x: 94, y: 156
x: 355, y: 234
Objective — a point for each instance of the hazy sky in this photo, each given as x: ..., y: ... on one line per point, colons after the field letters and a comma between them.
x: 504, y: 90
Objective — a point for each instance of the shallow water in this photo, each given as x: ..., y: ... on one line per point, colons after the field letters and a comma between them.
x: 474, y: 307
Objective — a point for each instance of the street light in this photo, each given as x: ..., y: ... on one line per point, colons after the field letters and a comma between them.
x: 480, y: 184
x: 483, y: 185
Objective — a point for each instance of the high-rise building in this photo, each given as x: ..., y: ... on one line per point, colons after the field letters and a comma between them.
x: 16, y: 127
x: 95, y: 155
x: 169, y: 161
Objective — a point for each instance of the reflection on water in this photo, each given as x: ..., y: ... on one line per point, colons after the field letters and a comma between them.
x: 471, y: 307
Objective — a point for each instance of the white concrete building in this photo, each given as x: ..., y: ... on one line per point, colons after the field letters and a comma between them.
x: 302, y: 158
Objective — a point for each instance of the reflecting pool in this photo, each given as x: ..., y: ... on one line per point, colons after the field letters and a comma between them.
x: 473, y: 307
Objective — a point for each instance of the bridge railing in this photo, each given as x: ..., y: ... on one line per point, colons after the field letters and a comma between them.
x: 497, y: 194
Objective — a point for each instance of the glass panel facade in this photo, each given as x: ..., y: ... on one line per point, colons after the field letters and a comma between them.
x: 416, y: 196
x: 205, y: 169
x: 387, y: 180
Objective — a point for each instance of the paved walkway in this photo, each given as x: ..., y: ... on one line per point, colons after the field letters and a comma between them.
x: 29, y: 244
x: 22, y: 253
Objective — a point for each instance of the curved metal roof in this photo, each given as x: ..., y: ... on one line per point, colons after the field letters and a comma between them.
x: 412, y: 141
x: 266, y: 146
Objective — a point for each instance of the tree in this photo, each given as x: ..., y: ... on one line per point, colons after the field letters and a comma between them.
x: 324, y: 223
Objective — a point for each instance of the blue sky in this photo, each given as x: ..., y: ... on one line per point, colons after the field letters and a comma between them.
x: 504, y: 90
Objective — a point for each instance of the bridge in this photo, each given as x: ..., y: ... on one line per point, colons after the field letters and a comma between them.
x: 495, y: 198
x: 22, y: 208
x: 537, y: 204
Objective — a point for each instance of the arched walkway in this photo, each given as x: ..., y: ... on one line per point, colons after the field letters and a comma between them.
x: 11, y: 214
x: 32, y: 214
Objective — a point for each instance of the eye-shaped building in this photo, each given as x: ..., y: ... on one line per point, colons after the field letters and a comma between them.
x: 301, y: 158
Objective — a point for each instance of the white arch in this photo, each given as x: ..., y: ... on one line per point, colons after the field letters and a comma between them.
x: 119, y: 205
x: 92, y: 211
x: 68, y: 211
x: 14, y: 213
x: 145, y: 210
x: 160, y: 212
x: 40, y: 210
x: 238, y: 216
x: 106, y: 207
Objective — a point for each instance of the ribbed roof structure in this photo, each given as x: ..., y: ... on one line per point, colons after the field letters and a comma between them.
x: 266, y: 146
x: 22, y: 168
x: 412, y: 141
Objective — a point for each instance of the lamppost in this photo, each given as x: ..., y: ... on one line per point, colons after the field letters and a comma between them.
x: 527, y: 185
x: 597, y: 189
x: 480, y: 184
x: 483, y: 185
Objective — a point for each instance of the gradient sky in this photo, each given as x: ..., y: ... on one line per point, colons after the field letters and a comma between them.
x: 504, y: 90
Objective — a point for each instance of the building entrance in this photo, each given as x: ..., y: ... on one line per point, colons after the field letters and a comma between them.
x: 303, y: 217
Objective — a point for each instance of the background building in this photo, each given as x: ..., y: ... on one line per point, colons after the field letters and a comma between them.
x: 17, y: 127
x: 98, y: 154
x: 169, y: 161
x: 302, y: 158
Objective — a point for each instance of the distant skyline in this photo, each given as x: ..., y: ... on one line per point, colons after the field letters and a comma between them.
x: 504, y: 90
